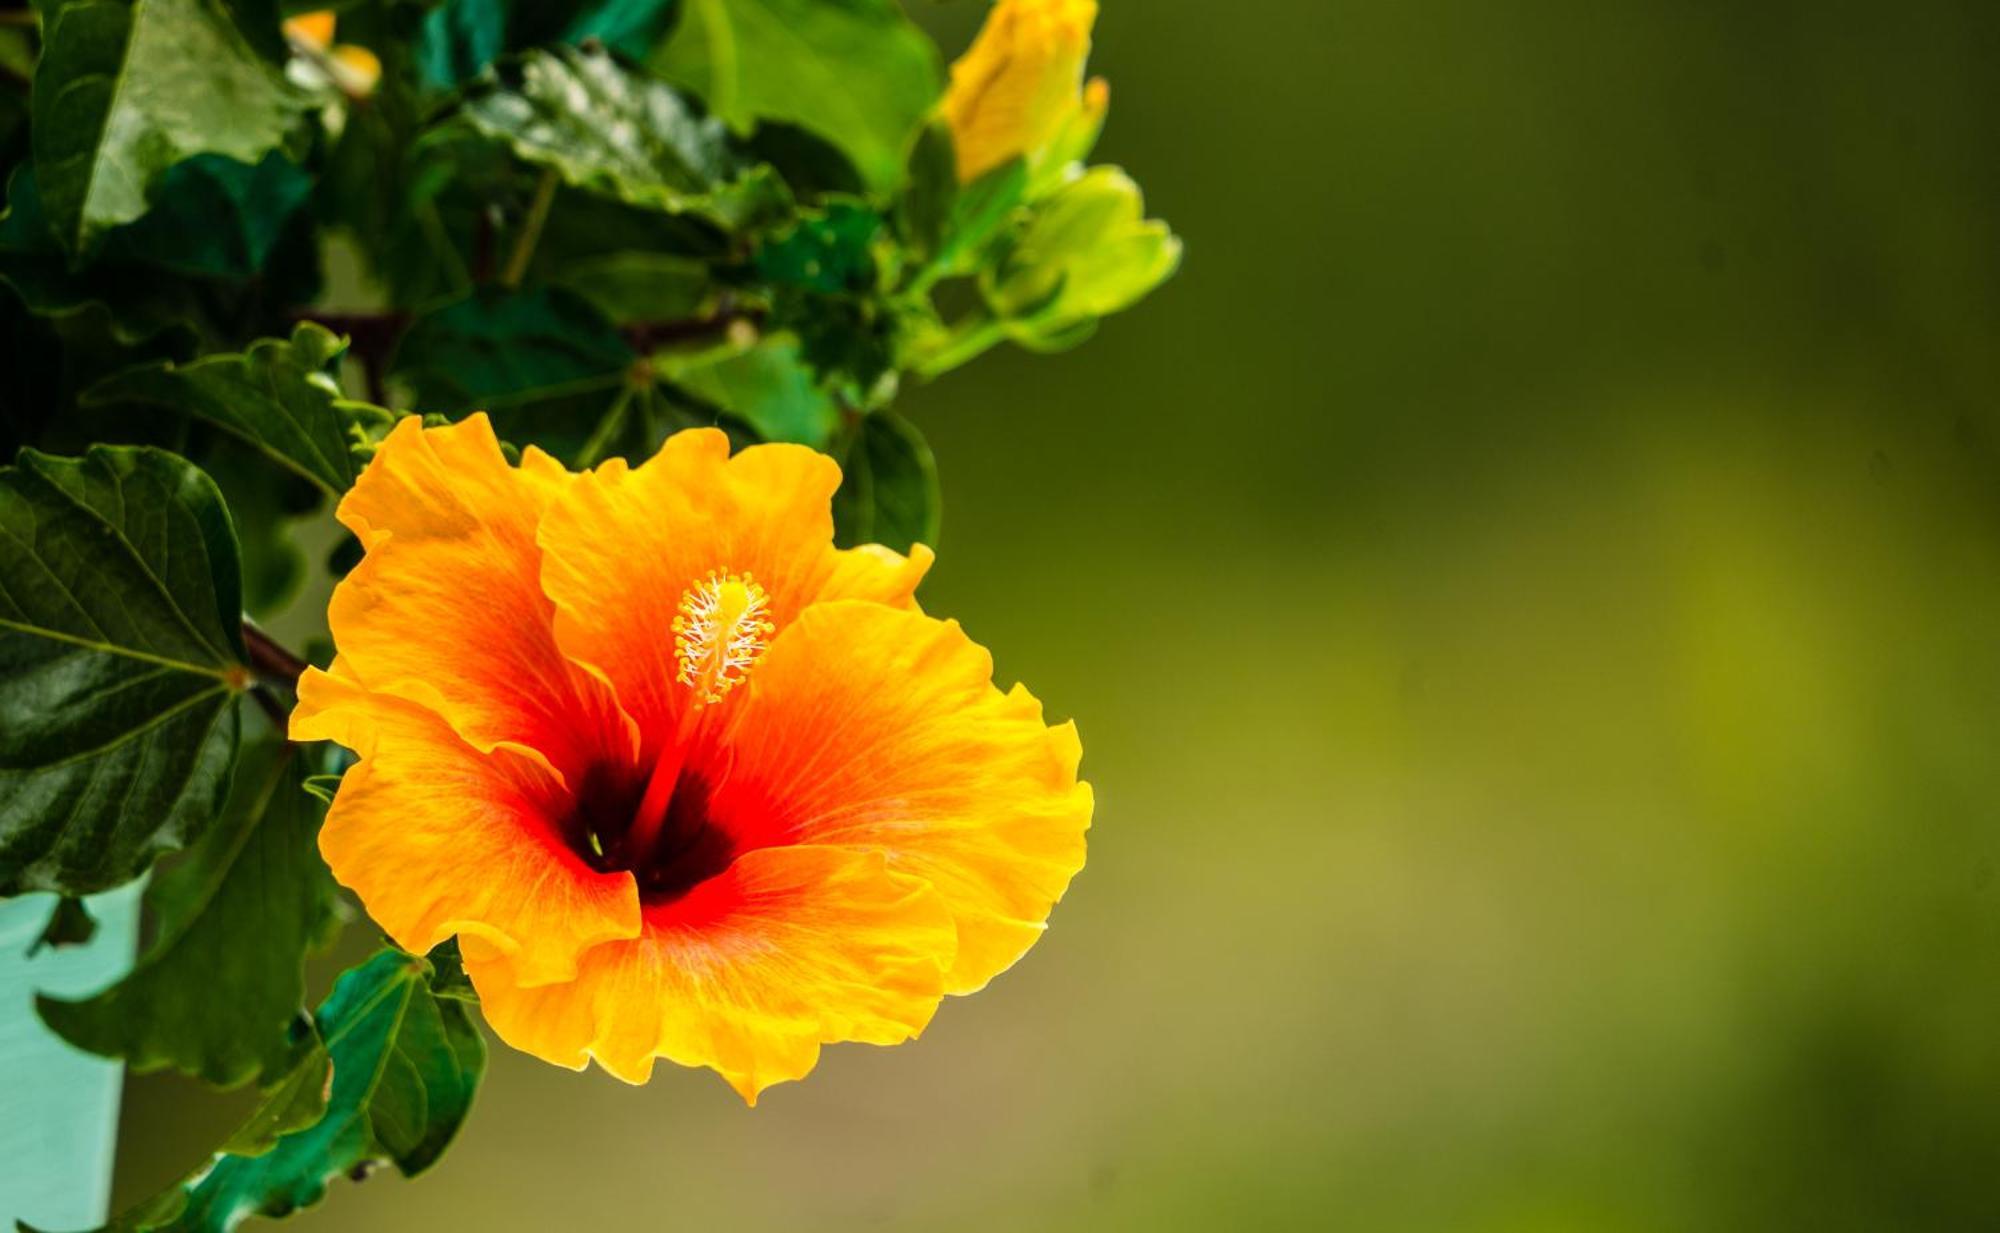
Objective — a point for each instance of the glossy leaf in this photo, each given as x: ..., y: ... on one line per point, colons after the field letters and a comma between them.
x: 856, y: 72
x: 889, y: 486
x: 609, y: 130
x: 121, y: 655
x: 234, y: 922
x: 279, y: 395
x: 406, y: 1064
x: 128, y: 88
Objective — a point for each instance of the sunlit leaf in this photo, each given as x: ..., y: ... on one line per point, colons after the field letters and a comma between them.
x: 406, y: 1063
x: 1086, y: 251
x: 856, y: 72
x: 128, y: 88
x: 767, y: 385
x: 610, y: 130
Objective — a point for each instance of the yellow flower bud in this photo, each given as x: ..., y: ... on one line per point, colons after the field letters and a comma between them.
x: 312, y: 30
x: 355, y: 70
x: 1020, y: 85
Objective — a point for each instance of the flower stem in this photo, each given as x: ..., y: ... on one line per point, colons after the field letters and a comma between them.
x: 269, y: 660
x: 531, y: 230
x: 966, y: 340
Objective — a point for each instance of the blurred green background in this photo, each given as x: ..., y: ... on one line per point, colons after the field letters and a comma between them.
x: 1530, y: 590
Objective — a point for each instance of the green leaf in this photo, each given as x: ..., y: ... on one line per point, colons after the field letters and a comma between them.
x: 628, y: 27
x: 138, y: 306
x: 1085, y: 252
x: 267, y: 505
x: 459, y: 39
x: 497, y: 348
x: 856, y: 72
x: 978, y: 213
x: 121, y: 653
x: 828, y: 250
x: 215, y: 216
x: 235, y: 920
x: 406, y: 1064
x: 930, y: 190
x: 608, y: 130
x: 279, y: 396
x: 767, y: 385
x: 128, y: 88
x: 641, y: 286
x: 889, y: 487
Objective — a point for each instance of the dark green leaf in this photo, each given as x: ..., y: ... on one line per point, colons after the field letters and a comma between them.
x: 641, y: 286
x: 128, y: 88
x: 498, y: 348
x: 70, y: 924
x: 856, y: 72
x: 460, y: 38
x: 448, y: 978
x: 295, y: 1101
x: 889, y: 487
x: 609, y: 130
x: 406, y: 1064
x: 768, y: 386
x: 827, y: 250
x: 121, y: 650
x: 810, y: 165
x: 224, y: 976
x: 628, y: 27
x: 267, y: 505
x: 215, y: 216
x: 137, y: 306
x: 279, y: 395
x: 930, y: 190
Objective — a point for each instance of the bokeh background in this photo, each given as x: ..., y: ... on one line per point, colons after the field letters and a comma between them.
x: 1531, y: 594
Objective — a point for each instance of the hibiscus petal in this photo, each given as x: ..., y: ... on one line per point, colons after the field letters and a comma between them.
x: 747, y: 974
x: 880, y: 729
x: 446, y: 609
x: 438, y: 838
x: 621, y: 545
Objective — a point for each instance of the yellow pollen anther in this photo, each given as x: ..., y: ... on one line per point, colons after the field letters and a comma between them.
x: 723, y: 626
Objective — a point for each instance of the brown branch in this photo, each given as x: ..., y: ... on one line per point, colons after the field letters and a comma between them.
x: 270, y: 661
x: 373, y: 335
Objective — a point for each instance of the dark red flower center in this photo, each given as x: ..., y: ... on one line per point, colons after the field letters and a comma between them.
x: 670, y: 855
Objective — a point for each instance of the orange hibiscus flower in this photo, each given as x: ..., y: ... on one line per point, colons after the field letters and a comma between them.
x: 684, y: 779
